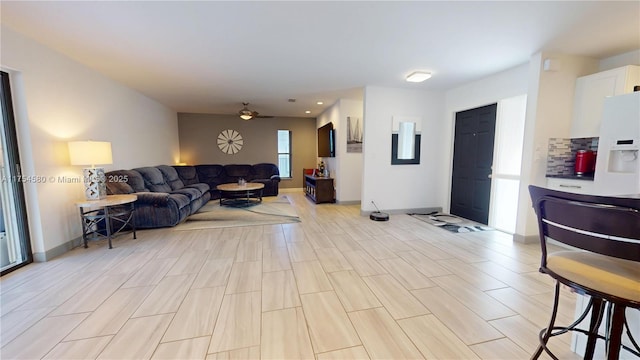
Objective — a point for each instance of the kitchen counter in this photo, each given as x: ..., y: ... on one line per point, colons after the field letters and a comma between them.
x: 572, y: 177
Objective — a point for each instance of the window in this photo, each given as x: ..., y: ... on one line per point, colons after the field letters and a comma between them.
x: 284, y: 153
x: 15, y: 246
x: 505, y: 180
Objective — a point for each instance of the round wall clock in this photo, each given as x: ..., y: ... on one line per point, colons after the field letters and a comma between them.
x: 230, y: 141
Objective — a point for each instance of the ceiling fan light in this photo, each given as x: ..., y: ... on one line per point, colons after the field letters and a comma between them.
x: 418, y: 76
x: 245, y: 113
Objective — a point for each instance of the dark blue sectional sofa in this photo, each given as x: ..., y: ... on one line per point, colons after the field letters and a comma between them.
x: 167, y: 195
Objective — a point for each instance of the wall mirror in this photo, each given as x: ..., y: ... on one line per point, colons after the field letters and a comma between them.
x: 405, y: 142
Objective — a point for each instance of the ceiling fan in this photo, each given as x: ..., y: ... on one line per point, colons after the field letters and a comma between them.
x: 247, y: 114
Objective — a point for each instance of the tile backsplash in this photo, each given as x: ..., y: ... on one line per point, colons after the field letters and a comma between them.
x: 561, y: 156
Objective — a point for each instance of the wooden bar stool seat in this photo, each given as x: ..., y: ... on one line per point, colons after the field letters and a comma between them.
x: 605, y: 265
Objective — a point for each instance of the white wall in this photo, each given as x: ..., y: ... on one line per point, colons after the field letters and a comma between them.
x: 397, y: 187
x: 549, y: 114
x: 58, y: 100
x: 506, y: 84
x: 345, y: 168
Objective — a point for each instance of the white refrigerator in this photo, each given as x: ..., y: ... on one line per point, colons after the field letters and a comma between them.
x: 618, y: 164
x: 617, y: 173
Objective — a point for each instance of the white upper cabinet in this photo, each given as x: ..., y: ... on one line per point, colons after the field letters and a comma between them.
x: 590, y: 93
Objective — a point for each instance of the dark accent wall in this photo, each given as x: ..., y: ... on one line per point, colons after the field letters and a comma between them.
x: 198, y: 134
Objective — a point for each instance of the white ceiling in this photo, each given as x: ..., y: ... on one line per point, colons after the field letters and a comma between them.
x: 211, y: 56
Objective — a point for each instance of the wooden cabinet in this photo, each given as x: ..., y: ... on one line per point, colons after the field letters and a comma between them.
x: 590, y: 93
x: 319, y: 189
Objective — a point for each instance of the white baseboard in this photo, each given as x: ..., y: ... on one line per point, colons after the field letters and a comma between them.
x: 350, y: 202
x: 526, y: 239
x: 58, y: 250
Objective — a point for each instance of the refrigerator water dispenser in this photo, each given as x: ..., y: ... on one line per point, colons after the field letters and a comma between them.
x: 623, y: 161
x: 623, y: 157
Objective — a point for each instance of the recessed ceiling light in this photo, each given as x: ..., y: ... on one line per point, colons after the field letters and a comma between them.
x: 319, y: 103
x: 308, y: 112
x: 418, y: 76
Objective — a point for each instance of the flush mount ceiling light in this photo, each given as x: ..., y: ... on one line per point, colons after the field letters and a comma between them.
x: 418, y: 76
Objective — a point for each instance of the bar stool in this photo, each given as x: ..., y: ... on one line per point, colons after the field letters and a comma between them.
x: 605, y: 266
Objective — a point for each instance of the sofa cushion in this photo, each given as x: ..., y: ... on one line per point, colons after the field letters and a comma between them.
x: 136, y: 181
x: 157, y: 209
x: 187, y: 174
x: 182, y: 201
x: 117, y: 182
x: 115, y: 188
x: 153, y: 179
x: 234, y: 172
x: 189, y: 192
x: 210, y: 174
x: 200, y: 186
x: 171, y: 176
x: 124, y: 182
x: 265, y: 171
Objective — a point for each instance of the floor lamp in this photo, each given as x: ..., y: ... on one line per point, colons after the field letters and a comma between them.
x: 92, y: 153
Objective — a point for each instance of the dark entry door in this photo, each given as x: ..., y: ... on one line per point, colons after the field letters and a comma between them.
x: 472, y: 160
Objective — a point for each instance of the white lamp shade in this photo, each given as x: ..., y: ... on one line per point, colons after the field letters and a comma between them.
x: 90, y: 152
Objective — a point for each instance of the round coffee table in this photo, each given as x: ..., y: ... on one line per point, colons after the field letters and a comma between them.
x: 240, y: 195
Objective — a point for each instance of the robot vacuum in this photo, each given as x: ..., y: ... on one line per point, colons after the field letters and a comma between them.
x: 378, y: 215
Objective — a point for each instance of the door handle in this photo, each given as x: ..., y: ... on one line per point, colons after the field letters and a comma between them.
x: 490, y: 176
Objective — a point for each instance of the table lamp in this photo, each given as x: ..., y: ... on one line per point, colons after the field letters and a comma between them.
x: 92, y: 153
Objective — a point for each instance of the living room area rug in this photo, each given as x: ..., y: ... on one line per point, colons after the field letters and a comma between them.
x: 452, y: 223
x: 271, y: 211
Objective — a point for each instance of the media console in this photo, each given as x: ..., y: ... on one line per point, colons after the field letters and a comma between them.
x: 319, y: 189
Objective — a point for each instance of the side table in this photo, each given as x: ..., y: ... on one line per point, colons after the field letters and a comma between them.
x: 113, y: 210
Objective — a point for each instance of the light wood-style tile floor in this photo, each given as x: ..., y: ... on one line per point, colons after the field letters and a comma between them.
x: 334, y: 286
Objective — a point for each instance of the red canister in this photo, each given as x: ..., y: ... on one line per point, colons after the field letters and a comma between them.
x: 585, y: 161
